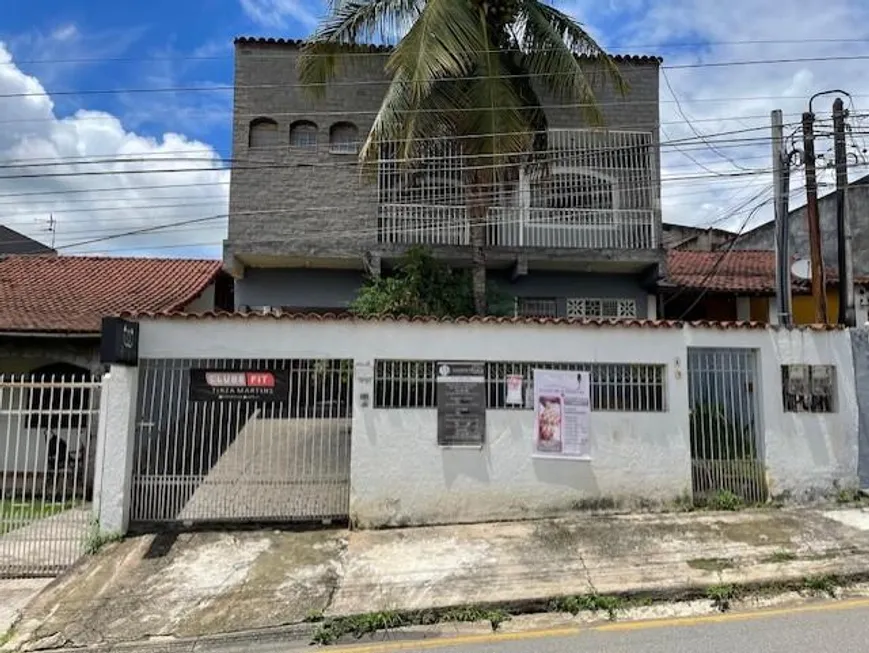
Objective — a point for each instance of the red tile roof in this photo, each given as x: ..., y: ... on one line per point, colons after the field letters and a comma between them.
x: 71, y: 294
x: 347, y: 317
x: 746, y: 271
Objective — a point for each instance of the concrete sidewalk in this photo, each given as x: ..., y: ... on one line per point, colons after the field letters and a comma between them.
x: 199, y: 585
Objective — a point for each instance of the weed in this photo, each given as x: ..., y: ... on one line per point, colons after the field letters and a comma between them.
x: 5, y: 637
x: 330, y: 631
x: 848, y: 495
x: 725, y: 500
x: 781, y: 556
x: 96, y: 539
x: 721, y: 596
x: 589, y: 603
x: 821, y: 585
x: 314, y: 617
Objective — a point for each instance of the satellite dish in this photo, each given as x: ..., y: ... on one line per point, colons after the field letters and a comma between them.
x: 802, y: 268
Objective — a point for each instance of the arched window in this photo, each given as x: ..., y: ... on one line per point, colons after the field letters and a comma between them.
x: 343, y: 138
x: 303, y: 133
x: 573, y: 189
x: 263, y: 134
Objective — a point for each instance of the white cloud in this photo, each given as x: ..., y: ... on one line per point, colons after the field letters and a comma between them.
x: 274, y: 14
x: 65, y: 33
x: 40, y: 152
x: 716, y: 99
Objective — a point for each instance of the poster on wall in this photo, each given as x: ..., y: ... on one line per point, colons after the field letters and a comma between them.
x: 514, y: 390
x: 263, y: 386
x: 562, y: 410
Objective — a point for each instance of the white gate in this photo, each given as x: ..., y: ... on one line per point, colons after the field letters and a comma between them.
x: 48, y: 429
x: 725, y: 431
x: 242, y: 440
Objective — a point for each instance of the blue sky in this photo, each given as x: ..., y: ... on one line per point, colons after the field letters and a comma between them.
x: 52, y: 49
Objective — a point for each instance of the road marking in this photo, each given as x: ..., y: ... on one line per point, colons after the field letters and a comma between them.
x: 547, y: 633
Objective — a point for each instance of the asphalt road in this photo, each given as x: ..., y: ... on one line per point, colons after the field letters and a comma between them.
x: 838, y: 627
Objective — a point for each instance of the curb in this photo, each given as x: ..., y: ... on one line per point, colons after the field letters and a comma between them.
x: 275, y: 639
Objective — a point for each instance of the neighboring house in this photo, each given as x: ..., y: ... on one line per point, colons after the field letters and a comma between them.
x: 12, y: 242
x: 763, y: 237
x: 582, y: 238
x: 740, y: 285
x: 51, y: 307
x: 703, y: 239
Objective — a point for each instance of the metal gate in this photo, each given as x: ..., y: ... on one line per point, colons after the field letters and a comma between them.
x: 242, y: 440
x: 48, y: 429
x: 725, y: 445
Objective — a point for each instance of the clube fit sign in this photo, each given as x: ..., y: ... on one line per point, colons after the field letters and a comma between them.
x: 236, y: 385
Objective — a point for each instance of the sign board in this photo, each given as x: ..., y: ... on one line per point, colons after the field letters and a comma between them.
x: 461, y: 402
x: 262, y: 386
x: 562, y: 408
x: 119, y: 342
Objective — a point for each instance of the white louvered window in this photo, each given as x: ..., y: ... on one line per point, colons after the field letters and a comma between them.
x: 616, y: 308
x: 303, y: 133
x: 343, y: 138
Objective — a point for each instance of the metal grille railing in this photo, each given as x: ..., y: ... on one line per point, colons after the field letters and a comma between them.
x: 725, y: 451
x: 619, y: 387
x: 48, y: 428
x: 225, y: 459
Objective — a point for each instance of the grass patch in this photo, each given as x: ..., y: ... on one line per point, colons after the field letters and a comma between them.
x: 724, y: 500
x: 589, y: 603
x: 330, y: 631
x: 722, y: 596
x: 18, y: 514
x: 780, y: 556
x: 822, y: 585
x: 5, y: 637
x: 711, y: 564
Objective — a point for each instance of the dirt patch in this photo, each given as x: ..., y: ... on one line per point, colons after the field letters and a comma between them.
x: 711, y: 564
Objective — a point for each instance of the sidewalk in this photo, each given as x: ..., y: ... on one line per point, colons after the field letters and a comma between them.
x: 199, y: 585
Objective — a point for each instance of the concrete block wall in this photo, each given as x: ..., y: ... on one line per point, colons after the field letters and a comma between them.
x: 313, y: 203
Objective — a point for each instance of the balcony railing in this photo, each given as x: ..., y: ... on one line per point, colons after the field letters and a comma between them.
x: 518, y: 227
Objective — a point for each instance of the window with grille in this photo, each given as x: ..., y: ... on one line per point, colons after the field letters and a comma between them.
x: 537, y: 307
x: 263, y: 134
x: 808, y: 388
x: 343, y: 138
x: 601, y: 308
x: 572, y: 190
x: 303, y: 133
x: 617, y: 387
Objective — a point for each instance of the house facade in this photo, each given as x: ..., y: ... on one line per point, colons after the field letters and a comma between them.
x: 580, y: 238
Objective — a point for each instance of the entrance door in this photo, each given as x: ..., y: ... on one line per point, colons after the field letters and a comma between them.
x: 727, y: 462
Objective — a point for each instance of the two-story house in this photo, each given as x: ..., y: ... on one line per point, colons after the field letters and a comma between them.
x: 578, y: 237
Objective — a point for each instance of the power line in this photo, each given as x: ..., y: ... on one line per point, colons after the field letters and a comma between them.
x: 385, y: 82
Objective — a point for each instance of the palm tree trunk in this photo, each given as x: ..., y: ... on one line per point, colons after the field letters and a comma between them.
x: 478, y: 211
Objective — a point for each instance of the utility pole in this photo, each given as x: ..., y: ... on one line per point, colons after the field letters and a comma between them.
x: 847, y: 316
x: 819, y: 285
x: 781, y: 188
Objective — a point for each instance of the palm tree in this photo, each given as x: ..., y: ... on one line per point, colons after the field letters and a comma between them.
x: 471, y: 70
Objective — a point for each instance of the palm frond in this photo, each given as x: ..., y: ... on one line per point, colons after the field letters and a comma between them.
x: 552, y: 42
x: 350, y: 22
x: 441, y: 44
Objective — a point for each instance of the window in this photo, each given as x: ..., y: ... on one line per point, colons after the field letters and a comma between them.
x: 572, y: 190
x: 622, y: 387
x: 536, y: 307
x: 263, y: 134
x: 303, y: 133
x: 808, y: 388
x: 618, y: 308
x: 343, y: 138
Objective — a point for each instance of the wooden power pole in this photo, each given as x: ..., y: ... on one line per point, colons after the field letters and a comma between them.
x: 847, y: 315
x: 819, y: 285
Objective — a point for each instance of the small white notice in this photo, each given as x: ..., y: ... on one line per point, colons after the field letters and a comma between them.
x: 562, y: 410
x: 514, y: 390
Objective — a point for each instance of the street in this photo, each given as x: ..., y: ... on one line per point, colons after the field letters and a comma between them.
x: 835, y: 627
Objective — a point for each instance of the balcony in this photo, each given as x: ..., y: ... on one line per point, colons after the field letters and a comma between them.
x: 589, y: 190
x: 517, y: 227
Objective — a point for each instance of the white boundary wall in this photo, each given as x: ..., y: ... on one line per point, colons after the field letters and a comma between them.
x: 400, y: 474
